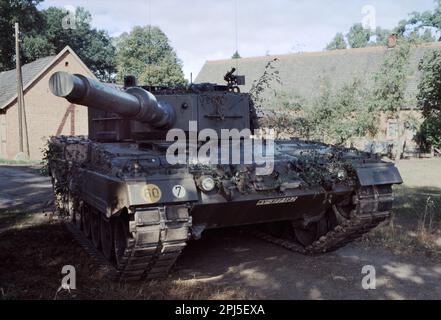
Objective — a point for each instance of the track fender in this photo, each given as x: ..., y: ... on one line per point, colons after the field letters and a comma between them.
x: 378, y: 174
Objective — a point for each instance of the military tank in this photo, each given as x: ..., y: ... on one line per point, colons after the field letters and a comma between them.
x: 132, y: 208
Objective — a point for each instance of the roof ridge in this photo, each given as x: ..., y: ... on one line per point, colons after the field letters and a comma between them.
x: 29, y: 63
x: 435, y: 44
x: 31, y: 72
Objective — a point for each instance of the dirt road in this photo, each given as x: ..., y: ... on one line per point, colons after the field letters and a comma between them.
x: 22, y: 187
x: 274, y: 273
x: 229, y: 257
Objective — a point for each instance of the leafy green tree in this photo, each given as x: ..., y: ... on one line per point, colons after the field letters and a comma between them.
x: 426, y: 19
x: 338, y: 115
x: 24, y: 12
x: 390, y: 88
x: 427, y: 36
x: 337, y: 43
x: 381, y: 36
x: 93, y: 46
x: 429, y: 97
x: 358, y: 37
x: 236, y: 55
x: 146, y: 53
x: 391, y: 79
x: 420, y: 25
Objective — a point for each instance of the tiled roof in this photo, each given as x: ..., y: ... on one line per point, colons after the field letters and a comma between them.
x: 8, y: 79
x: 304, y: 73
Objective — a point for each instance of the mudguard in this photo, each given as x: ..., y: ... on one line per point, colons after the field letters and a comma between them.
x: 378, y: 174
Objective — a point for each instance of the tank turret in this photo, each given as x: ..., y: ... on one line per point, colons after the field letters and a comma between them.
x: 144, y: 113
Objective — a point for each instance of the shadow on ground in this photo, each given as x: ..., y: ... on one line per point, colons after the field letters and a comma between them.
x: 226, y: 264
x: 31, y: 260
x: 226, y: 256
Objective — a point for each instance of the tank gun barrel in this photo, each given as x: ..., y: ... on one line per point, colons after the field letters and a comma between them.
x: 133, y: 103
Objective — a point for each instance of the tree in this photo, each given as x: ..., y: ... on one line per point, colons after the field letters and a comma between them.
x: 419, y: 28
x: 426, y: 19
x: 420, y: 25
x: 338, y: 115
x: 337, y: 43
x: 146, y: 53
x: 93, y: 46
x: 390, y: 88
x: 358, y: 37
x: 381, y: 36
x: 236, y: 55
x: 429, y: 98
x: 30, y: 19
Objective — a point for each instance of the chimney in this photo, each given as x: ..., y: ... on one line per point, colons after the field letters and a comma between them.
x: 392, y: 41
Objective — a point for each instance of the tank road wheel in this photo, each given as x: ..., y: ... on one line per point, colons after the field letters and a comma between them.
x: 306, y: 235
x: 86, y: 220
x: 121, y: 239
x: 95, y: 221
x: 106, y: 238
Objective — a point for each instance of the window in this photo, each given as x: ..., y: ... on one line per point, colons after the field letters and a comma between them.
x: 392, y: 130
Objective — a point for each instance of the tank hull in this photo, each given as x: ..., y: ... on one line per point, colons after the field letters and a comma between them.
x: 139, y: 212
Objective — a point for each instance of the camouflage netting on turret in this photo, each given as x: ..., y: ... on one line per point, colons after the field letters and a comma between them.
x: 303, y: 170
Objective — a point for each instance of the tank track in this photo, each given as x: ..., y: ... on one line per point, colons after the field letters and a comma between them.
x: 371, y: 206
x: 105, y: 267
x: 157, y: 237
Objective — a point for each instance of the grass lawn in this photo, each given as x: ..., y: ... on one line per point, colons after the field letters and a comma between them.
x: 416, y: 223
x: 16, y: 162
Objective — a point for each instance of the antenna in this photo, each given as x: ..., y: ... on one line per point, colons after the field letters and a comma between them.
x: 236, y: 30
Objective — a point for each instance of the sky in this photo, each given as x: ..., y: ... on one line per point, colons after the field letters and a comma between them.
x: 201, y: 30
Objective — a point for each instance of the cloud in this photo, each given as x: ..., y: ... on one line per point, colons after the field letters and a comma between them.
x: 203, y: 30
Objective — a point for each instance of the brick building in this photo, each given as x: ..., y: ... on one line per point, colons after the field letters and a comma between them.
x: 46, y: 114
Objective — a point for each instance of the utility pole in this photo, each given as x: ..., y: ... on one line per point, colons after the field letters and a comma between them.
x: 20, y: 96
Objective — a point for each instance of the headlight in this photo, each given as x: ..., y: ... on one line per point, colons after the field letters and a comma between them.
x: 207, y: 183
x: 341, y: 174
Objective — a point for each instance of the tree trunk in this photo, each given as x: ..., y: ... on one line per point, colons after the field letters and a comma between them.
x: 401, y: 139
